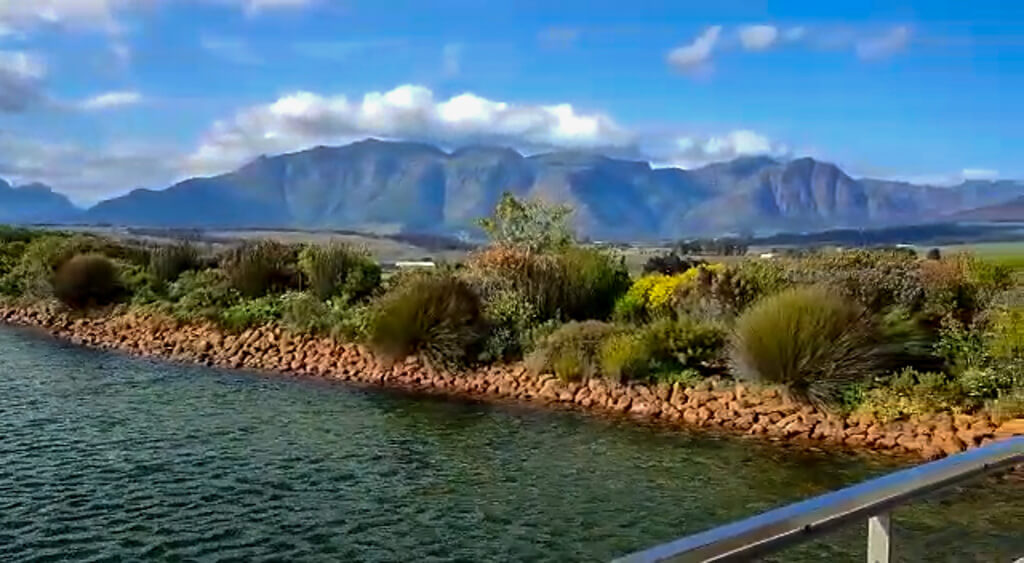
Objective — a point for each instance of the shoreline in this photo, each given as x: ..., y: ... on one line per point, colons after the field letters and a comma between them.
x: 728, y: 406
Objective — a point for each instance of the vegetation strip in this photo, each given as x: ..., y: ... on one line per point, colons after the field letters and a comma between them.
x: 867, y: 348
x: 712, y: 403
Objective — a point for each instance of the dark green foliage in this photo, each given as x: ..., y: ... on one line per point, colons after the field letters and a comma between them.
x: 934, y: 254
x: 910, y: 392
x: 339, y: 270
x: 532, y: 225
x: 592, y: 282
x: 510, y: 318
x: 10, y: 255
x: 670, y: 264
x: 877, y: 280
x: 87, y: 280
x: 436, y: 315
x: 664, y: 349
x: 572, y: 352
x: 10, y: 234
x: 303, y: 313
x: 201, y: 294
x: 811, y: 340
x: 523, y: 290
x: 168, y: 262
x: 256, y: 269
x: 251, y: 313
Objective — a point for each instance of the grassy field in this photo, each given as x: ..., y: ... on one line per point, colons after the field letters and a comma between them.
x: 1007, y: 253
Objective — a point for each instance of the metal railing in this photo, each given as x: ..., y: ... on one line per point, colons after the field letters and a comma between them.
x: 773, y: 530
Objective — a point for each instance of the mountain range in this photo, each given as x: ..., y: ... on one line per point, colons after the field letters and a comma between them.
x: 415, y: 187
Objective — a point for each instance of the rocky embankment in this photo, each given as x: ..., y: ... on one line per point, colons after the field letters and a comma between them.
x: 721, y: 404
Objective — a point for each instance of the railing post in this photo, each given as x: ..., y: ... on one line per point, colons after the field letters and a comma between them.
x: 879, y: 538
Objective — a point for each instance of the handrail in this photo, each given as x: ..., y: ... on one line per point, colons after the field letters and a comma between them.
x: 804, y: 520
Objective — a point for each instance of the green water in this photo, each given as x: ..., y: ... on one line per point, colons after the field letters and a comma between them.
x: 109, y: 458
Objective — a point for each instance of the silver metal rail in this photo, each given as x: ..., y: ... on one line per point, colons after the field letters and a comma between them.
x: 805, y: 520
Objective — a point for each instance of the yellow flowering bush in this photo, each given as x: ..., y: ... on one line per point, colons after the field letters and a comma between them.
x: 655, y: 294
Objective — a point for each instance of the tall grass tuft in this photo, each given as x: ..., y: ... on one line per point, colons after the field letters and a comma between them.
x: 255, y: 269
x: 810, y: 340
x: 168, y: 262
x: 438, y: 316
x: 339, y: 270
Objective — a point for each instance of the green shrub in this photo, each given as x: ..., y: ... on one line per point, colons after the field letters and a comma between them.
x: 9, y: 234
x: 32, y: 273
x: 687, y: 344
x: 256, y: 269
x: 339, y: 270
x: 876, y: 279
x: 10, y: 255
x: 810, y: 340
x: 511, y: 319
x: 670, y: 264
x: 665, y: 350
x: 168, y: 262
x: 250, y: 313
x: 201, y: 294
x: 910, y: 392
x: 626, y: 356
x: 980, y: 383
x: 961, y: 287
x: 532, y: 225
x: 572, y: 351
x: 87, y: 280
x: 1009, y: 404
x: 593, y: 281
x: 303, y: 313
x: 437, y: 315
x: 573, y: 284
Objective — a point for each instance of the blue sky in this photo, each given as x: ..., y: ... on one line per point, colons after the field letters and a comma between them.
x: 98, y: 97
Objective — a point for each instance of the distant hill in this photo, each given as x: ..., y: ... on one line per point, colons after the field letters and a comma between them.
x: 415, y: 187
x: 1006, y: 211
x: 34, y: 203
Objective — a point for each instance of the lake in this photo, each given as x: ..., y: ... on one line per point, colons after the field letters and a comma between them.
x: 107, y: 458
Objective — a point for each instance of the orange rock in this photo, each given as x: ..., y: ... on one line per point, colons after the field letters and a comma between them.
x: 1010, y: 428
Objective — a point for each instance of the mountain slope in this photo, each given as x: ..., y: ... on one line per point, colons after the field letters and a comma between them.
x: 1012, y: 210
x: 34, y: 203
x: 417, y: 187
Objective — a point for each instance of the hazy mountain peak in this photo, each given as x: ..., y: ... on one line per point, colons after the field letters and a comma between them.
x: 418, y: 187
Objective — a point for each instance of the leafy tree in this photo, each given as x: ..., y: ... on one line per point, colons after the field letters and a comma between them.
x: 532, y: 224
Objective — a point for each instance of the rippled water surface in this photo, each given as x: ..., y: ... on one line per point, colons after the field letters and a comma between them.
x: 104, y: 457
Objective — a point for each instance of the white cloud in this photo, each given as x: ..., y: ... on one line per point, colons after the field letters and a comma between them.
x: 758, y: 37
x: 111, y: 100
x: 21, y: 80
x: 22, y: 14
x: 232, y: 49
x: 885, y: 45
x: 979, y: 174
x: 87, y: 175
x: 303, y: 120
x: 690, y: 151
x: 696, y: 53
x: 947, y: 179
